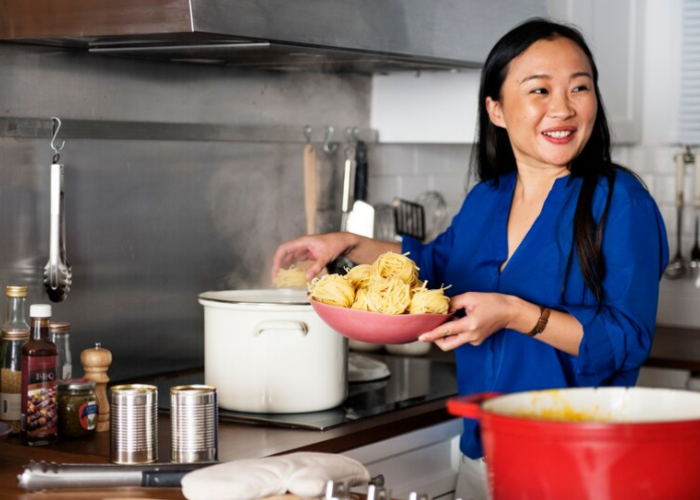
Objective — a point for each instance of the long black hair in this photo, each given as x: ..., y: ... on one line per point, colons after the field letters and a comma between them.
x: 493, y: 155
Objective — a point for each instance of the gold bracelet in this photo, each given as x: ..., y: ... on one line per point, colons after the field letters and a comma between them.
x: 541, y: 323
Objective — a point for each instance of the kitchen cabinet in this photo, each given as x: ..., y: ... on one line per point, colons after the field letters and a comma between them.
x: 423, y: 461
x: 614, y: 31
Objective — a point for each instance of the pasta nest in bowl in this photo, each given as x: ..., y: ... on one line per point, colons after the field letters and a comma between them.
x: 381, y: 302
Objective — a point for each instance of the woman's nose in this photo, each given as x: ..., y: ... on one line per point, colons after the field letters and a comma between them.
x: 560, y: 107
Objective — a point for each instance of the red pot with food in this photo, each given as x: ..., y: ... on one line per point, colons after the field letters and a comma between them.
x: 589, y: 444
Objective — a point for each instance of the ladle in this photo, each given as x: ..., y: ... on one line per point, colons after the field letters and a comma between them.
x: 678, y: 267
x: 695, y: 252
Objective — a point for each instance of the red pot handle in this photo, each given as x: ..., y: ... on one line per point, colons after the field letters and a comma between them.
x: 469, y: 406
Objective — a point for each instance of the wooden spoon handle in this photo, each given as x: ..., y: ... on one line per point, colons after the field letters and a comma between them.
x: 310, y: 188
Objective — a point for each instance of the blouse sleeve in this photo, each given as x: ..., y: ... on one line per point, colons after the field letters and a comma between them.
x: 617, y: 337
x: 431, y: 258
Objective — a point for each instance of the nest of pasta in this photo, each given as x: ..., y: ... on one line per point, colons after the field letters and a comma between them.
x: 390, y: 285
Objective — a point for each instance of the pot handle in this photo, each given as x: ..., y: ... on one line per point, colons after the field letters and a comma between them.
x: 469, y: 406
x: 297, y: 326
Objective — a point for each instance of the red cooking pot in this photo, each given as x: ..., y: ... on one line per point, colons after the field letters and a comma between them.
x: 589, y: 444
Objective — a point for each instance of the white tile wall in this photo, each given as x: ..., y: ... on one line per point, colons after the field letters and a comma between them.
x: 405, y: 171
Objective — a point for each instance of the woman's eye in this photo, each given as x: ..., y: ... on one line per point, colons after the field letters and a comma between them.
x: 581, y: 88
x: 538, y: 91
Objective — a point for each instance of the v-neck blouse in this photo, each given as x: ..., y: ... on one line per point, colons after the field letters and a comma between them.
x: 616, y: 337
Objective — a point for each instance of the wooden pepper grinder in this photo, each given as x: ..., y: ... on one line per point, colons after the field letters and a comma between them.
x: 95, y: 363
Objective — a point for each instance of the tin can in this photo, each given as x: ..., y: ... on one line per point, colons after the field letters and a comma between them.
x: 133, y: 424
x: 194, y: 424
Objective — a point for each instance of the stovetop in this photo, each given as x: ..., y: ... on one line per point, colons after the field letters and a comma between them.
x: 413, y: 381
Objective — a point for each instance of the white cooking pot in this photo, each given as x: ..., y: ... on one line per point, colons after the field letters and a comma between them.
x: 267, y: 351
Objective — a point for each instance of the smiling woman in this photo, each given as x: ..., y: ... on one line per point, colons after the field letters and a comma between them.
x: 556, y: 255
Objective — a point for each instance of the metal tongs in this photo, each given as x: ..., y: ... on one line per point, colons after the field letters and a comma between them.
x: 58, y: 274
x: 47, y: 476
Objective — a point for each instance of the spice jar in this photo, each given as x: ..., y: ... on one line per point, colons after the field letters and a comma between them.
x: 15, y: 332
x: 77, y: 408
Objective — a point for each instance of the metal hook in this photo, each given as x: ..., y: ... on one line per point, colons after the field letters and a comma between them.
x: 328, y: 146
x: 56, y: 127
x: 307, y: 134
x: 352, y: 134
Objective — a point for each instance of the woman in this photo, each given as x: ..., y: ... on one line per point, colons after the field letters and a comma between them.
x: 556, y: 255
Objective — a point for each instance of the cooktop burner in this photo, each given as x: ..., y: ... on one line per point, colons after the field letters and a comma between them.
x: 413, y: 381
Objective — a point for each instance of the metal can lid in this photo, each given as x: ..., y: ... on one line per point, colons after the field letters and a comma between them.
x: 59, y: 327
x: 193, y: 389
x: 15, y: 334
x: 134, y: 389
x: 76, y: 384
x: 16, y: 291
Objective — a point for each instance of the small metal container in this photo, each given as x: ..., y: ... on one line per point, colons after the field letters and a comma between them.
x: 194, y: 424
x: 133, y: 424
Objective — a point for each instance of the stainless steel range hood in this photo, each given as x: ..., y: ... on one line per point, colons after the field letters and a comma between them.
x: 327, y: 35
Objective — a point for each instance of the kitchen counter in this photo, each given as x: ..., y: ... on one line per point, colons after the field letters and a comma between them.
x: 236, y: 441
x: 675, y: 348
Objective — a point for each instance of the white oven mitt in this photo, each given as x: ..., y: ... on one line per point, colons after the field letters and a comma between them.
x: 302, y: 474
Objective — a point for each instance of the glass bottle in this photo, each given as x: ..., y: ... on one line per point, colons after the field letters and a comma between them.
x: 15, y: 332
x: 39, y: 402
x: 59, y: 334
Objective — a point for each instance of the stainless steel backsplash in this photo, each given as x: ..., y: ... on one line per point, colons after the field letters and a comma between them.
x: 150, y: 224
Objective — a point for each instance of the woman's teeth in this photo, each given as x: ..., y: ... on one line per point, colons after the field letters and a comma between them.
x: 559, y: 134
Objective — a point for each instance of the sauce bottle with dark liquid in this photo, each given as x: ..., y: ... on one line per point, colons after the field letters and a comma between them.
x: 39, y: 399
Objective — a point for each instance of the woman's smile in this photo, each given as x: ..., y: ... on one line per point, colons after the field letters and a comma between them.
x: 560, y: 135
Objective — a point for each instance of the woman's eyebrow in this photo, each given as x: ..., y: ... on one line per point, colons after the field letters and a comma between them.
x: 549, y: 77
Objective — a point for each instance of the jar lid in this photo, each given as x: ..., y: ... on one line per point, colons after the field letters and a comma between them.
x: 15, y: 334
x: 16, y: 290
x: 59, y: 327
x: 76, y: 384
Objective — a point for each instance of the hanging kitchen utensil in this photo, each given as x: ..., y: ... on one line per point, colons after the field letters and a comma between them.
x: 384, y: 223
x: 348, y: 185
x: 361, y: 218
x: 436, y: 215
x: 678, y: 267
x: 410, y: 218
x: 58, y: 274
x: 361, y: 169
x: 310, y: 183
x: 695, y: 252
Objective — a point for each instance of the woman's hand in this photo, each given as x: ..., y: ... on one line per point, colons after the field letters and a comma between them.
x: 321, y: 249
x: 486, y: 314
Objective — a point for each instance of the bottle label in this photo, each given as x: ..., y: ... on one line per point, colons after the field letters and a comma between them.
x: 10, y: 406
x: 88, y: 415
x: 39, y: 402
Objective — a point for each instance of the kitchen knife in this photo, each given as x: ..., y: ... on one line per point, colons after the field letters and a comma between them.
x: 45, y: 475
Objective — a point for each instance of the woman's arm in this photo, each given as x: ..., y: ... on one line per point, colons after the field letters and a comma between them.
x: 325, y: 248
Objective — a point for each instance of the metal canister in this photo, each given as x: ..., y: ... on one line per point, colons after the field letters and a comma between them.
x: 194, y: 424
x: 133, y: 424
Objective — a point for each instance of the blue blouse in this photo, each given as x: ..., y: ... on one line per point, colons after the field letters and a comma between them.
x: 616, y: 340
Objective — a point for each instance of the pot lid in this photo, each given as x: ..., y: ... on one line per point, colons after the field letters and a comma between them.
x: 271, y: 297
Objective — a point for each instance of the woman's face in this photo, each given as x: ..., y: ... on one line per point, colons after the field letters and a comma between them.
x: 548, y: 103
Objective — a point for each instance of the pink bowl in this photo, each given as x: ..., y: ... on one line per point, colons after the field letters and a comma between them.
x: 377, y: 327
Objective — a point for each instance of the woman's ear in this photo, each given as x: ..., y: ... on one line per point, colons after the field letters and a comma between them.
x: 495, y: 112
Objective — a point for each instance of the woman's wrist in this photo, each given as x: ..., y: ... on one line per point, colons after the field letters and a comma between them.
x: 524, y: 315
